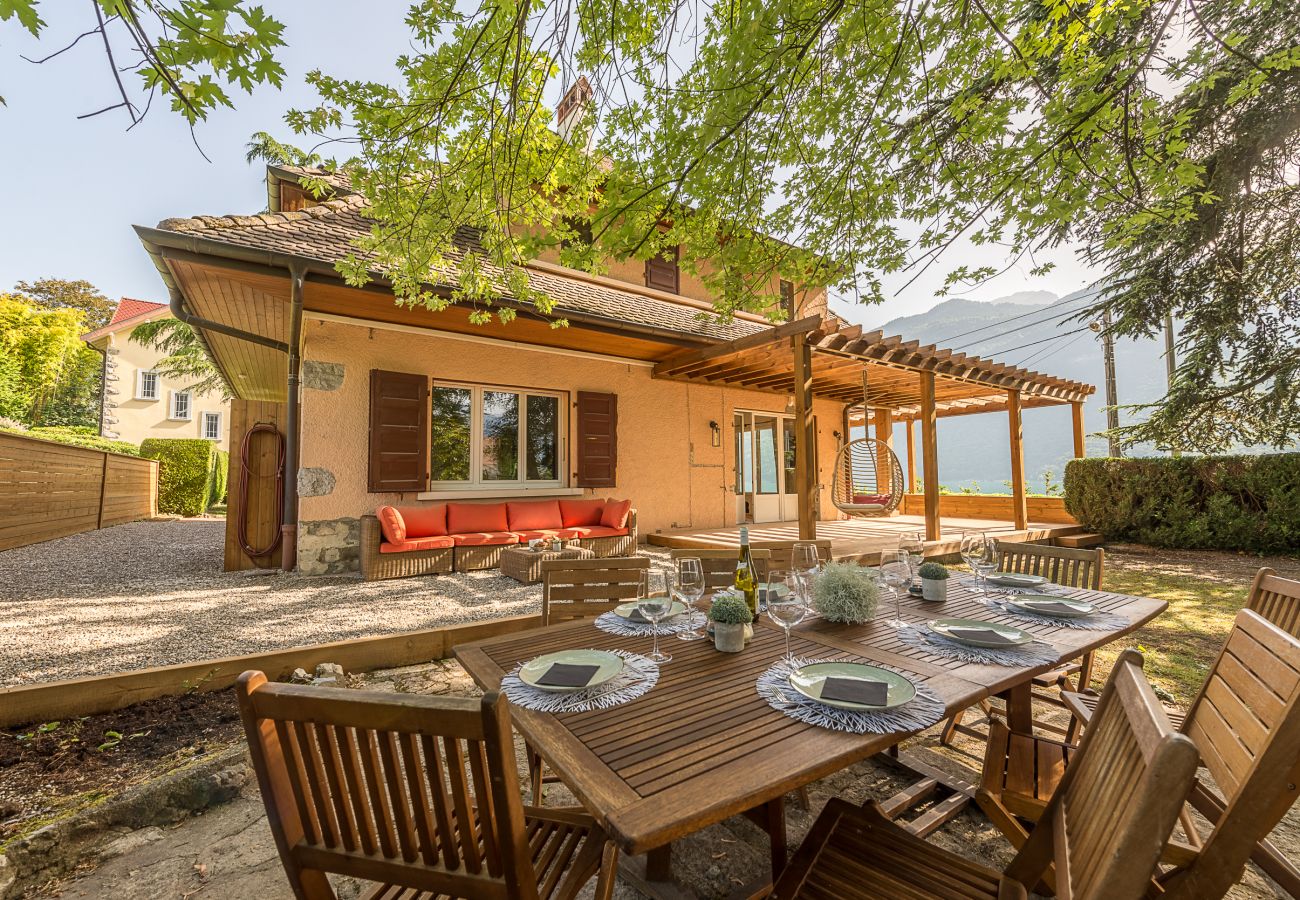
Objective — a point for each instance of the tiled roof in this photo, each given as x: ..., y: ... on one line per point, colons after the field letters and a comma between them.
x: 325, y: 233
x: 129, y: 308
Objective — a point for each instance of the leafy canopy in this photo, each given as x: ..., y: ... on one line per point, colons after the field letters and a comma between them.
x: 40, y: 352
x: 185, y: 358
x: 1160, y: 136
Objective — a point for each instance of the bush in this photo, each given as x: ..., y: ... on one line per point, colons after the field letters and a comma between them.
x: 220, y: 472
x: 1199, y: 503
x: 186, y: 469
x: 76, y: 436
x: 846, y: 592
x: 728, y: 609
x: 933, y: 571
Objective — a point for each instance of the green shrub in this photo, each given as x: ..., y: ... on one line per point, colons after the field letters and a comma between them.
x: 1199, y: 503
x: 933, y: 571
x: 185, y: 473
x: 220, y: 472
x: 728, y: 609
x: 76, y: 436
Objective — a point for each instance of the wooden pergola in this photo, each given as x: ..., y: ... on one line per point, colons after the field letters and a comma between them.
x: 904, y: 380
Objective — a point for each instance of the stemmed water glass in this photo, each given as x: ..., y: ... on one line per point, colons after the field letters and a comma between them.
x: 654, y: 601
x: 895, y: 572
x: 913, y: 544
x: 804, y: 559
x: 981, y: 554
x: 789, y: 607
x: 690, y: 587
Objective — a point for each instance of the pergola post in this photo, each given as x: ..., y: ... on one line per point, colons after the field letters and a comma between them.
x: 1019, y: 506
x: 1076, y: 410
x: 911, y: 456
x: 884, y: 421
x: 930, y: 455
x: 805, y: 475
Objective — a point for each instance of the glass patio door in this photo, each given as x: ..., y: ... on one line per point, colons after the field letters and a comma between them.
x: 764, y: 482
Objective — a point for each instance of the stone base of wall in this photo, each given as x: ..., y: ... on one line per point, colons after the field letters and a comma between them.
x: 329, y: 546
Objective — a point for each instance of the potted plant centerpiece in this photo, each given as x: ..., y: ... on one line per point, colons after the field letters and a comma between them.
x: 934, y: 581
x: 845, y: 592
x: 730, y: 617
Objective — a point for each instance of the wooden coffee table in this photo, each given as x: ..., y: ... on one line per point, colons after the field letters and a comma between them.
x: 525, y: 565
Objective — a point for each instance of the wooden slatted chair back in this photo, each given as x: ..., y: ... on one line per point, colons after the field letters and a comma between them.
x: 719, y: 565
x: 401, y: 789
x: 782, y: 554
x: 1117, y: 803
x: 576, y: 588
x: 1276, y: 599
x: 1065, y: 566
x: 1246, y: 724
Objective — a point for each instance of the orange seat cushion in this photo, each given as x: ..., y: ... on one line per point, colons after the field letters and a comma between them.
x: 615, y: 514
x: 599, y: 531
x: 469, y: 518
x: 391, y: 523
x: 534, y: 515
x: 425, y: 521
x: 427, y: 543
x: 564, y: 534
x: 485, y: 539
x: 581, y: 512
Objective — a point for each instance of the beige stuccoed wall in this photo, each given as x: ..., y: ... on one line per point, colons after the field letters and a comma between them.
x: 666, y: 462
x: 137, y: 420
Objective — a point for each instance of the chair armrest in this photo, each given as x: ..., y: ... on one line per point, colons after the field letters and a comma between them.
x: 371, y: 533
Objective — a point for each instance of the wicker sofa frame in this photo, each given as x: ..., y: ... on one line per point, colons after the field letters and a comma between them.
x: 376, y: 566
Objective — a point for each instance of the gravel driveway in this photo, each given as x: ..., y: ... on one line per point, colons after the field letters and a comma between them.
x: 153, y: 593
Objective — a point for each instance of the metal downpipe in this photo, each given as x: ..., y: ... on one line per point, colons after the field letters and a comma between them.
x: 289, y: 518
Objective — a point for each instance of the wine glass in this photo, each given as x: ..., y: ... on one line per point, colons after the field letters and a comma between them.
x: 980, y: 554
x: 913, y: 543
x: 988, y: 563
x: 788, y: 607
x: 804, y: 559
x: 895, y: 572
x: 654, y: 601
x: 690, y: 587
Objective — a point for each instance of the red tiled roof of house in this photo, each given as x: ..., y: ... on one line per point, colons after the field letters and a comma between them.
x: 129, y: 308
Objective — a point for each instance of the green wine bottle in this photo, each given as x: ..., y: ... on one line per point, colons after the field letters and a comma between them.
x: 746, y: 575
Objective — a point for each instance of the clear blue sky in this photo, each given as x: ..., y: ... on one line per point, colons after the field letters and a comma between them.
x: 73, y: 189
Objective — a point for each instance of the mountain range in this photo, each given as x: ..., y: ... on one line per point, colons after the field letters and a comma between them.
x: 1037, y: 330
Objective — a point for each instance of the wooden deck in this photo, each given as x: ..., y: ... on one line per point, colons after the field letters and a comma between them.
x: 861, y: 540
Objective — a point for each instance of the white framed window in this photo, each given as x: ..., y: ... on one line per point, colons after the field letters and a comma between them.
x: 180, y: 406
x: 484, y: 436
x: 146, y: 384
x: 212, y: 426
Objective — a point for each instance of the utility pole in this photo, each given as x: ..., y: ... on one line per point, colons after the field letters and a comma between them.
x: 1171, y: 363
x: 1102, y: 326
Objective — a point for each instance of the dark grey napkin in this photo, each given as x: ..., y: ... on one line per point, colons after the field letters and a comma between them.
x: 568, y: 675
x: 984, y: 635
x: 1052, y: 608
x: 636, y: 616
x: 853, y: 690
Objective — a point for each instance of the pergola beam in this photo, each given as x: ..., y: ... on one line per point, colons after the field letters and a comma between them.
x: 930, y: 456
x: 1019, y: 505
x: 805, y: 475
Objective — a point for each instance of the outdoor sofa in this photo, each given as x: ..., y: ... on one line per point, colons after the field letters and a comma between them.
x: 444, y: 537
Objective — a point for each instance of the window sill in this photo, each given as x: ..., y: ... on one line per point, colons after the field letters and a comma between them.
x: 498, y: 493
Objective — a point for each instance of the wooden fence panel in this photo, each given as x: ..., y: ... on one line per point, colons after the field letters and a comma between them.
x: 1044, y: 510
x: 50, y: 490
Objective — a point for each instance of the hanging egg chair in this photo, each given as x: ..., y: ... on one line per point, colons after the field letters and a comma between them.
x: 868, y: 476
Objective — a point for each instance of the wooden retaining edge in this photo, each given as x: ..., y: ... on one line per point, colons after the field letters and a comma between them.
x: 57, y: 700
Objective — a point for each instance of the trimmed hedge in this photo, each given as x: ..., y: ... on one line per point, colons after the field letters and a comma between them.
x: 220, y: 472
x: 76, y: 436
x: 187, y: 470
x: 1194, y: 502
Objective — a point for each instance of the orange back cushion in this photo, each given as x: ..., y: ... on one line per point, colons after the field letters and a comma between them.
x: 534, y: 515
x: 581, y: 512
x: 615, y: 514
x: 391, y: 523
x: 425, y: 521
x: 470, y: 518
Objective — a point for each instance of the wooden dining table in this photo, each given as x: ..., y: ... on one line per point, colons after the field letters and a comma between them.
x: 702, y: 745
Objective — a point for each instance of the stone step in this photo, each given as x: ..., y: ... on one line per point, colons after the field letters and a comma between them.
x: 1086, y: 539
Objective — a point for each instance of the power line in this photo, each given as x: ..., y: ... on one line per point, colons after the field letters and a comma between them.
x: 1050, y: 351
x: 1055, y: 337
x: 1002, y: 322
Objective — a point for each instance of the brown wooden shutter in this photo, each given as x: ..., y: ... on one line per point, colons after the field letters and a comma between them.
x: 399, y: 431
x: 662, y: 272
x: 597, y: 439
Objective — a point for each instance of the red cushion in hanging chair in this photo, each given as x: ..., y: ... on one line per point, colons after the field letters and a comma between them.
x: 872, y: 499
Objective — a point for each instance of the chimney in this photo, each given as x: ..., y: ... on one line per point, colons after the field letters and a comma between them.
x: 573, y: 106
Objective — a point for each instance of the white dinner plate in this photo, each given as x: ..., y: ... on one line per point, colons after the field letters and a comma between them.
x: 1016, y: 579
x: 610, y: 664
x: 1031, y: 602
x: 808, y: 680
x: 959, y: 630
x: 626, y: 611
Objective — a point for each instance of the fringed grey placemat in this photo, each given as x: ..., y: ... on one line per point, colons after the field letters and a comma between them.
x: 639, y: 675
x: 615, y: 624
x: 922, y: 711
x: 1035, y: 653
x: 1095, y: 621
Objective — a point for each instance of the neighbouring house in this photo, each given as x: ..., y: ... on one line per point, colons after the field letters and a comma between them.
x: 140, y: 402
x: 644, y: 396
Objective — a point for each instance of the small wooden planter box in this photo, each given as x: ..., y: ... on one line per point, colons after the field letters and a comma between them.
x: 525, y: 565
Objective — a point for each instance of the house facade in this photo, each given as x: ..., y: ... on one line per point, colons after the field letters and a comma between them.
x: 138, y: 401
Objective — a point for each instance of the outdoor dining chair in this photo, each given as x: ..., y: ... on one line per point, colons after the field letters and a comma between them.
x: 719, y: 564
x: 577, y: 588
x: 420, y: 794
x: 1067, y: 567
x: 1245, y: 723
x: 1099, y: 837
x: 782, y: 554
